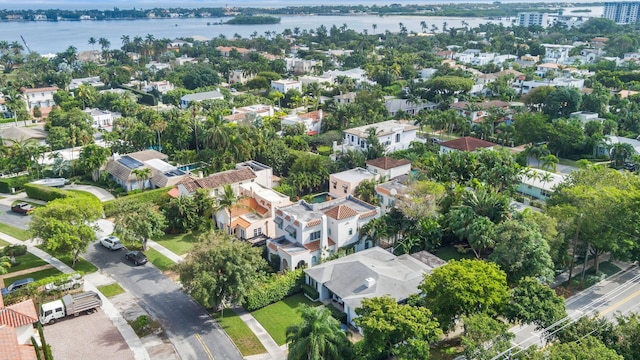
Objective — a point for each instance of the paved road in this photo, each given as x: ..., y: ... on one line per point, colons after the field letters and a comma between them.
x: 14, y: 219
x: 617, y: 295
x: 191, y: 330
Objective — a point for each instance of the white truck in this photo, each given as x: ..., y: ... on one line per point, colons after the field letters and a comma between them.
x: 69, y: 305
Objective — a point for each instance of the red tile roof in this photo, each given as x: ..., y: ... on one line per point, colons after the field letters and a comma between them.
x: 467, y: 143
x: 218, y: 179
x: 387, y: 163
x: 341, y: 212
x: 313, y: 246
x: 43, y: 89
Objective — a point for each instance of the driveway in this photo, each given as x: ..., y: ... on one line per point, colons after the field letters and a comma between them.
x: 101, y: 193
x: 14, y: 219
x: 85, y: 336
x: 189, y: 327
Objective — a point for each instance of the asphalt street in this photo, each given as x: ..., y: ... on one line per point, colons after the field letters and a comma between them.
x: 617, y: 295
x: 14, y: 219
x: 189, y: 327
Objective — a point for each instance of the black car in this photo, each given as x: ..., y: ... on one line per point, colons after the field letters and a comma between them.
x: 136, y: 257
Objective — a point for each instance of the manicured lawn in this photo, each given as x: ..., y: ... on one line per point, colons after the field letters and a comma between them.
x: 451, y: 253
x: 240, y: 334
x: 82, y: 265
x: 179, y: 243
x: 38, y: 275
x: 111, y: 290
x: 15, y: 232
x: 160, y: 261
x: 3, y: 243
x: 276, y: 318
x: 608, y: 268
x: 27, y: 261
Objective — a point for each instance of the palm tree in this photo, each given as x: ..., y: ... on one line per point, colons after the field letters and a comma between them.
x: 374, y: 27
x: 549, y: 162
x: 92, y: 42
x: 227, y: 201
x: 318, y: 337
x: 423, y: 25
x: 142, y: 174
x: 620, y: 152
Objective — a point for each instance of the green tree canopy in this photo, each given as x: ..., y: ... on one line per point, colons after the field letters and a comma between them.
x: 318, y: 337
x: 535, y: 303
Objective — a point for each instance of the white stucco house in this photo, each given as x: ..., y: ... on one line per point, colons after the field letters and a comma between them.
x: 307, y: 233
x: 285, y: 85
x: 312, y: 121
x: 41, y: 98
x: 389, y: 168
x: 16, y: 329
x: 102, y: 118
x: 394, y: 135
x: 539, y: 184
x: 207, y: 95
x: 374, y: 272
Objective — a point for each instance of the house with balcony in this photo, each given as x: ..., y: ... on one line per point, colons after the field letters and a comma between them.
x: 102, y: 118
x: 239, y: 77
x: 249, y: 114
x: 389, y: 168
x: 126, y: 170
x: 41, y: 98
x: 162, y: 87
x: 252, y: 217
x: 374, y: 272
x: 345, y: 183
x: 389, y: 192
x: 309, y: 232
x: 312, y: 121
x: 394, y: 106
x: 394, y: 135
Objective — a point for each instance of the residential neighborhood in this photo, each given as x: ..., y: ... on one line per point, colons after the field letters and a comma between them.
x: 452, y: 181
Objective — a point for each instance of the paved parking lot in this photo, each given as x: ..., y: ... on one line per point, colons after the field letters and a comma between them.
x: 87, y: 337
x: 14, y: 219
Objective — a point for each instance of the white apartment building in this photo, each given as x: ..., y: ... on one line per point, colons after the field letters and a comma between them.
x: 307, y: 233
x: 312, y: 121
x: 39, y: 97
x: 285, y: 85
x: 626, y: 12
x: 527, y: 19
x: 394, y: 135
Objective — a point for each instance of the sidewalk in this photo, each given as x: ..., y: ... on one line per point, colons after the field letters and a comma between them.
x: 577, y: 270
x: 26, y: 271
x: 274, y: 351
x: 127, y: 332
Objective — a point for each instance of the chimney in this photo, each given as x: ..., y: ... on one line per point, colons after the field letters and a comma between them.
x: 369, y: 282
x: 200, y: 175
x: 320, y: 114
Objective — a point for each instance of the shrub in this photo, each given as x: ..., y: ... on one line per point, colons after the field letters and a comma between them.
x: 310, y: 292
x: 45, y: 193
x: 337, y: 314
x: 16, y: 183
x: 274, y: 289
x: 157, y: 197
x: 14, y: 250
x: 325, y: 150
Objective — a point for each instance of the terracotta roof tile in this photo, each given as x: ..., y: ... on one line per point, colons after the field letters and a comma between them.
x: 341, y: 212
x: 50, y: 88
x: 174, y: 192
x: 314, y: 222
x: 9, y: 347
x: 313, y: 246
x: 369, y: 214
x: 331, y: 242
x: 467, y: 143
x: 15, y: 319
x: 26, y: 307
x: 382, y: 190
x: 218, y: 179
x: 240, y: 222
x: 387, y: 163
x: 272, y: 246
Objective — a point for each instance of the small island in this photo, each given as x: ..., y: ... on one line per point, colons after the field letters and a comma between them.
x: 253, y: 20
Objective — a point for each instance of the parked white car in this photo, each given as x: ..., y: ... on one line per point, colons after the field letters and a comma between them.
x: 72, y: 282
x: 111, y: 242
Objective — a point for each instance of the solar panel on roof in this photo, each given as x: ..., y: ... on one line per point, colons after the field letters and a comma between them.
x: 130, y: 162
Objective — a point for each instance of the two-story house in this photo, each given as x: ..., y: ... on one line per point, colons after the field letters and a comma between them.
x: 142, y: 170
x: 239, y: 77
x: 477, y: 111
x: 41, y: 98
x: 102, y: 118
x: 207, y: 95
x: 285, y: 85
x: 16, y: 330
x: 394, y: 135
x: 307, y: 233
x: 249, y: 114
x: 345, y: 182
x: 388, y: 168
x: 312, y: 121
x: 389, y: 192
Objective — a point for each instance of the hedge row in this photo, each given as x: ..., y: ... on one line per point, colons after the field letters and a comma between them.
x: 310, y: 292
x: 13, y: 250
x: 143, y: 97
x: 45, y: 193
x: 276, y: 288
x: 16, y: 183
x: 157, y: 197
x: 337, y: 314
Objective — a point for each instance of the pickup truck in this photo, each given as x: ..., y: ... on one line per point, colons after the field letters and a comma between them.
x: 22, y: 208
x: 69, y: 305
x: 72, y: 282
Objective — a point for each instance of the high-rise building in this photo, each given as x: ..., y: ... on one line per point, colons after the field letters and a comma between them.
x: 622, y: 12
x: 531, y: 18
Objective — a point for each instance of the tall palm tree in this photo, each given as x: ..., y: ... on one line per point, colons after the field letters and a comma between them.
x: 92, y: 42
x: 318, y: 337
x: 549, y: 162
x: 141, y: 174
x: 227, y: 201
x: 620, y: 152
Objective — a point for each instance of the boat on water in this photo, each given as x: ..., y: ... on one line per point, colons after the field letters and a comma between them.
x: 51, y: 182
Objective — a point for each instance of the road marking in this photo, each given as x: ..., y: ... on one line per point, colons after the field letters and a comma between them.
x: 616, y: 305
x: 204, y: 347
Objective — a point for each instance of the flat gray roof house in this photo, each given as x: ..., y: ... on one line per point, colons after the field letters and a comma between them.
x: 374, y: 272
x: 209, y: 95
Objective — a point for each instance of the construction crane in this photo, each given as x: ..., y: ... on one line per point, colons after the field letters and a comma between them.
x: 25, y: 44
